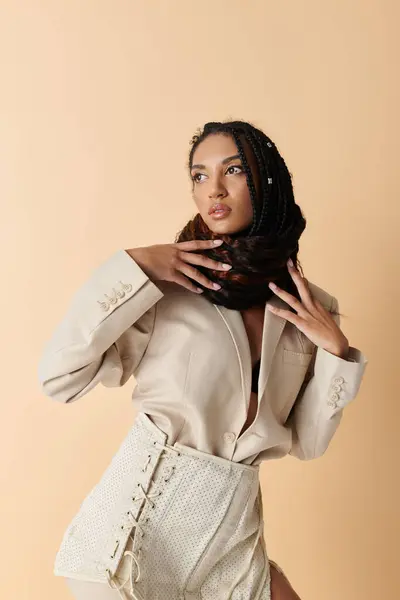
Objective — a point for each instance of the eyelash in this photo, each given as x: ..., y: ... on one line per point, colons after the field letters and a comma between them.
x: 230, y: 167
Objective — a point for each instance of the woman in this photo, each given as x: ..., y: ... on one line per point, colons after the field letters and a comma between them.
x: 221, y: 385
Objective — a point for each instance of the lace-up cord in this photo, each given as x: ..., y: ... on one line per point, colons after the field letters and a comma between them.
x: 111, y: 579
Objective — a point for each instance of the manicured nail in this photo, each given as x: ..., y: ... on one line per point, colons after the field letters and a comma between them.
x: 290, y: 262
x: 272, y: 285
x: 226, y: 266
x: 216, y: 286
x: 218, y: 242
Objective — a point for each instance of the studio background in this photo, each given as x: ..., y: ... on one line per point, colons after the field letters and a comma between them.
x: 98, y: 103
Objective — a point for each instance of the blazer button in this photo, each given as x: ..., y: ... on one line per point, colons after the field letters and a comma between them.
x: 104, y: 305
x: 229, y: 437
x: 127, y: 287
x: 336, y: 387
x: 334, y: 397
x: 112, y: 299
x: 338, y: 380
x: 332, y: 403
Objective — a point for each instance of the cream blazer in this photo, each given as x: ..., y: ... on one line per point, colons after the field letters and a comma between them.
x: 191, y: 363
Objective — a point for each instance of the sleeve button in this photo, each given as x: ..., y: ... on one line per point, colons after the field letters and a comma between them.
x: 104, y: 305
x: 112, y: 299
x: 338, y: 380
x: 229, y: 437
x: 127, y: 287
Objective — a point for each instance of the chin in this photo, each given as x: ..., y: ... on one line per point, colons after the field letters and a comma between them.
x: 223, y: 227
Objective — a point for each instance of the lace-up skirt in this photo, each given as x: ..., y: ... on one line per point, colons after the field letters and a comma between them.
x: 168, y: 522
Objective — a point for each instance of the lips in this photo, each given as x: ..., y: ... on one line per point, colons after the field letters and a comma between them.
x: 219, y: 208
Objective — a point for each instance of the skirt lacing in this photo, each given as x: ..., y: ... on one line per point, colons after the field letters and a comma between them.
x: 133, y: 523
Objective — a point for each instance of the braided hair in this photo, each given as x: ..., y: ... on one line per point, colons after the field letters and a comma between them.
x: 259, y: 253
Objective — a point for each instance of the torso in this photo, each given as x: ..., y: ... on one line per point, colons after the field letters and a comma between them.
x: 253, y: 320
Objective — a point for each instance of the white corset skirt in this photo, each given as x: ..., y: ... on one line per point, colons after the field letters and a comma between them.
x: 168, y: 522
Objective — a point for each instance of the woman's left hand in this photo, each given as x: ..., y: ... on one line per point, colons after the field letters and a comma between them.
x: 312, y: 318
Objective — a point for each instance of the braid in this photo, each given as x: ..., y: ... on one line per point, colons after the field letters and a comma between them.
x: 258, y: 254
x: 265, y: 177
x: 249, y: 176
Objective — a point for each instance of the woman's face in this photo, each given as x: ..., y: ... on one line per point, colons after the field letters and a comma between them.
x: 219, y: 178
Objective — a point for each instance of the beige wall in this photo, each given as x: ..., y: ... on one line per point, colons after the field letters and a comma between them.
x: 98, y: 102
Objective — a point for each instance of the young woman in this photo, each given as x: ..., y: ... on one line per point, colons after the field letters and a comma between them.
x: 230, y: 371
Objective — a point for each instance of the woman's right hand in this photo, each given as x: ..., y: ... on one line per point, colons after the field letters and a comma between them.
x: 172, y: 262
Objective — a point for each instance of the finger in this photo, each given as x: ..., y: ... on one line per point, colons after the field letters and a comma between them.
x: 199, y: 259
x: 198, y: 244
x: 184, y: 282
x: 286, y: 314
x: 197, y: 276
x: 303, y: 288
x: 289, y: 299
x: 321, y: 308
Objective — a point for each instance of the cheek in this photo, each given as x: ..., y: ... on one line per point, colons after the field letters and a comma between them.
x: 199, y: 201
x: 242, y: 195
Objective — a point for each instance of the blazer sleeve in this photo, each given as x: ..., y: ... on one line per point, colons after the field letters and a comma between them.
x: 330, y: 384
x: 104, y: 333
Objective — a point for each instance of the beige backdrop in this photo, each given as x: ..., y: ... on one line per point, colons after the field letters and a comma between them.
x: 98, y: 103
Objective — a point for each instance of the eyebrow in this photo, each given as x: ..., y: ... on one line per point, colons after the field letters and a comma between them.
x: 226, y: 160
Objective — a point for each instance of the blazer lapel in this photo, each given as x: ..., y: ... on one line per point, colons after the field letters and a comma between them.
x: 272, y: 331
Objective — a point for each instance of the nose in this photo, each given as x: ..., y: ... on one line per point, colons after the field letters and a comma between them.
x: 217, y: 189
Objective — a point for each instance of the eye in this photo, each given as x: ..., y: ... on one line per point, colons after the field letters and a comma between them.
x: 196, y: 175
x: 235, y: 167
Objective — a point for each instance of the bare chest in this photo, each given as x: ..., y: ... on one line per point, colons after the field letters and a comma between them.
x: 253, y: 320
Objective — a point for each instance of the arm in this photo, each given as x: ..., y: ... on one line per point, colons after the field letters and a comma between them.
x: 104, y: 333
x: 331, y: 382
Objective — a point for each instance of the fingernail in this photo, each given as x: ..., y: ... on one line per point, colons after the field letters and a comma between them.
x: 290, y: 262
x: 272, y: 285
x: 216, y: 286
x: 218, y: 242
x: 226, y: 267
